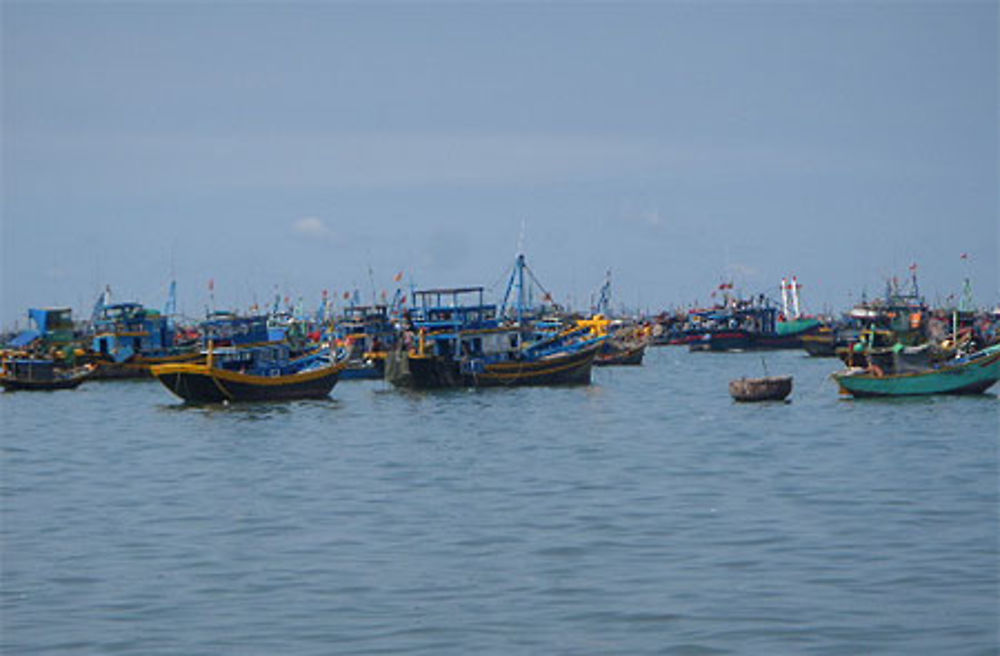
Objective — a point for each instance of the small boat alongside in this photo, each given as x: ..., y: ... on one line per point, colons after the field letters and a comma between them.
x: 621, y: 354
x: 770, y: 388
x: 365, y: 334
x: 624, y: 344
x: 970, y: 374
x: 41, y: 374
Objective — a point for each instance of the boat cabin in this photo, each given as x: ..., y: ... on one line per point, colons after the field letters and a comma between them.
x: 123, y: 330
x: 236, y: 331
x: 31, y: 370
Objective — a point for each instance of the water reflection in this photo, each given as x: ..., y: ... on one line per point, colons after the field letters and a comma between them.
x: 252, y: 410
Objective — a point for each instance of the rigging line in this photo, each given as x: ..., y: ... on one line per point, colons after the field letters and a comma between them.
x: 540, y: 285
x: 504, y: 276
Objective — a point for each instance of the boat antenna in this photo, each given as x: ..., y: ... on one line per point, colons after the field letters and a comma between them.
x: 371, y: 280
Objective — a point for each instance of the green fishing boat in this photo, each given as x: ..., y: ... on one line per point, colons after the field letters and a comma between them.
x: 971, y: 374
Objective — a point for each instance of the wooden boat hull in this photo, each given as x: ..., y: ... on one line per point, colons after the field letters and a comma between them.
x: 822, y: 344
x: 773, y: 388
x: 364, y: 370
x: 70, y: 382
x: 196, y: 383
x: 744, y: 340
x: 972, y: 375
x: 407, y: 370
x: 626, y: 356
x: 140, y: 365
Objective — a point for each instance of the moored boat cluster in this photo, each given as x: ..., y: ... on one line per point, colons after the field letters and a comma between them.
x: 456, y: 337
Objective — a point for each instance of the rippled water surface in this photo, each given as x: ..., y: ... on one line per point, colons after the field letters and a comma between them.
x: 646, y: 514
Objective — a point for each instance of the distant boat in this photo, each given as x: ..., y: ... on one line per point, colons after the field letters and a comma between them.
x: 750, y: 326
x: 624, y: 344
x: 621, y: 354
x: 972, y: 374
x: 829, y: 339
x: 771, y: 388
x: 41, y: 374
x: 455, y: 340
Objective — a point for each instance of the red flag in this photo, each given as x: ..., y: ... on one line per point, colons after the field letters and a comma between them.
x: 913, y: 267
x: 398, y: 276
x: 347, y: 295
x: 965, y: 256
x: 211, y: 284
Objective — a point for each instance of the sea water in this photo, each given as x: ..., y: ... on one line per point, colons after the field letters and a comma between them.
x: 645, y: 514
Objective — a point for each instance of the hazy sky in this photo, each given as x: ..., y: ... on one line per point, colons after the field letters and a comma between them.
x: 679, y: 144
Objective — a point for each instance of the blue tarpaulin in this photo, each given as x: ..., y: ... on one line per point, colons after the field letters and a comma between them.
x: 25, y: 338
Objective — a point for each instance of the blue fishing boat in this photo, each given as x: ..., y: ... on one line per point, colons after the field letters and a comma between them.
x: 365, y: 334
x: 129, y: 338
x: 241, y: 364
x: 51, y: 327
x: 454, y: 339
x: 751, y: 325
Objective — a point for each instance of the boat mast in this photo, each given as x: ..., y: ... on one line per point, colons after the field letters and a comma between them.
x: 784, y: 298
x: 796, y: 311
x: 170, y: 308
x: 603, y: 305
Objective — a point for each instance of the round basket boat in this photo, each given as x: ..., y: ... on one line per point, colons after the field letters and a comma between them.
x: 772, y: 388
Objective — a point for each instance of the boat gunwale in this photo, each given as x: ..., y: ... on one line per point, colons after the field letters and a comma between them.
x: 251, y: 379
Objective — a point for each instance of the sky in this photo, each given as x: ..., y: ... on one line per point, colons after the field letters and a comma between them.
x: 296, y: 147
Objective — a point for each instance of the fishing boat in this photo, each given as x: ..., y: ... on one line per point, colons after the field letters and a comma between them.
x: 241, y: 364
x: 771, y: 388
x: 454, y: 339
x: 130, y: 338
x: 620, y: 354
x: 752, y: 325
x: 262, y: 373
x: 624, y: 345
x: 52, y: 327
x: 970, y: 374
x: 365, y: 334
x: 41, y: 374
